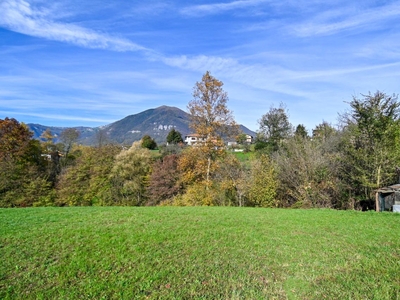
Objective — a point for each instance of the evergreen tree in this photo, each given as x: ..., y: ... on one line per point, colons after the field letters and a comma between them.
x: 301, y: 131
x: 174, y: 137
x: 148, y: 143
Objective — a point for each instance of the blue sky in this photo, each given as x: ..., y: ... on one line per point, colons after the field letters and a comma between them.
x: 91, y: 62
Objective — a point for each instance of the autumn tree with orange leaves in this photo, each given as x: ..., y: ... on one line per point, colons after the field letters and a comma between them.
x: 211, y: 119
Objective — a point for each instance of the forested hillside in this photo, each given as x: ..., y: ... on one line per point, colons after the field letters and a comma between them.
x: 287, y: 166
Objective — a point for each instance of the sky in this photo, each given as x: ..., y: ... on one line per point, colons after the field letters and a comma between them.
x: 93, y: 62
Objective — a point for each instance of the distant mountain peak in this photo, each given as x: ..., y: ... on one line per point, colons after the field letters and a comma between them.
x: 155, y: 122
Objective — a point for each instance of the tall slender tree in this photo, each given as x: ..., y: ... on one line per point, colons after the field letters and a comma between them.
x: 211, y: 119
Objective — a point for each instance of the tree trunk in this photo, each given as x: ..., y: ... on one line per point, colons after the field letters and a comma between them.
x: 378, y: 179
x: 208, y: 172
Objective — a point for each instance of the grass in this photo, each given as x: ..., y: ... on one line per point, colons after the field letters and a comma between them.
x: 244, y: 156
x: 155, y: 153
x: 198, y: 253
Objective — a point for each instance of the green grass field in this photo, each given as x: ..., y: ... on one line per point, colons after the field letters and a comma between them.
x: 244, y: 157
x: 198, y: 253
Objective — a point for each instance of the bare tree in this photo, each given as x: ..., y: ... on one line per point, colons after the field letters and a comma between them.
x: 101, y: 137
x: 69, y: 136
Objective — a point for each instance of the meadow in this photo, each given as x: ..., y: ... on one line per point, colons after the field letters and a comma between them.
x: 198, y: 253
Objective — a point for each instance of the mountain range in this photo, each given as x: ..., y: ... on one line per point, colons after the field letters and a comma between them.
x: 156, y: 122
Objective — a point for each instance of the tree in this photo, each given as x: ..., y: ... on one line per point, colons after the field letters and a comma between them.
x: 53, y: 153
x: 241, y: 139
x: 192, y: 163
x: 308, y: 174
x: 69, y: 136
x: 148, y: 143
x: 233, y: 181
x: 164, y: 180
x: 371, y: 143
x: 165, y: 150
x: 196, y: 182
x: 88, y: 182
x: 274, y: 127
x: 174, y: 137
x: 130, y: 176
x: 301, y: 131
x: 263, y: 184
x: 21, y: 166
x: 323, y: 131
x: 14, y: 143
x: 47, y: 137
x: 14, y: 139
x: 101, y: 137
x: 211, y: 119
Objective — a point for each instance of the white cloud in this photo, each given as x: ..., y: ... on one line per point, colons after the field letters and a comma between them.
x: 259, y: 67
x: 331, y: 22
x: 199, y: 63
x: 216, y: 8
x: 274, y: 78
x: 60, y: 117
x: 251, y: 75
x: 20, y: 16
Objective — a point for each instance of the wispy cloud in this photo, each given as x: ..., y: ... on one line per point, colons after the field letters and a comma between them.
x: 198, y: 63
x: 331, y: 22
x: 216, y: 8
x: 251, y: 75
x: 351, y: 47
x: 150, y: 9
x: 20, y: 16
x: 61, y: 117
x: 270, y: 78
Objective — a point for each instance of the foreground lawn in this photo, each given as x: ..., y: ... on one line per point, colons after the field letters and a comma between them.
x: 191, y: 253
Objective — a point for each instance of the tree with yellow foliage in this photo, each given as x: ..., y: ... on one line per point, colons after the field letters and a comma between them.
x: 130, y: 176
x: 212, y: 120
x: 263, y: 184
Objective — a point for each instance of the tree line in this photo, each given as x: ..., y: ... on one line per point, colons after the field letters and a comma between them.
x: 336, y: 167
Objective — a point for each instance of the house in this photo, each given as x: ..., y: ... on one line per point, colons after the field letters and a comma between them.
x: 193, y: 138
x: 388, y: 198
x: 249, y: 139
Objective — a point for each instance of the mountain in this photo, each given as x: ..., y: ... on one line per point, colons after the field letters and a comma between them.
x: 37, y: 129
x: 244, y: 129
x: 156, y: 122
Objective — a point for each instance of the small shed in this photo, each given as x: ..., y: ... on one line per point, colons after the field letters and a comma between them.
x: 388, y: 198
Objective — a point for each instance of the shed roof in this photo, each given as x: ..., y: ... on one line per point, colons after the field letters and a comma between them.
x: 389, y: 189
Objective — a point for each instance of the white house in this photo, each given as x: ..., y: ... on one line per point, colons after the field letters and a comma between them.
x: 193, y: 138
x: 249, y: 139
